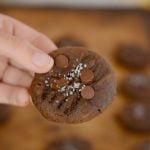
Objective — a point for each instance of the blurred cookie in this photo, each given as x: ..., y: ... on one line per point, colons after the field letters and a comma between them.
x: 79, y: 87
x: 136, y: 86
x: 70, y: 143
x: 135, y: 116
x: 69, y: 41
x: 132, y: 56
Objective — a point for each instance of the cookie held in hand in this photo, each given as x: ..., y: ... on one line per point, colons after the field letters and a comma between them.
x: 79, y: 87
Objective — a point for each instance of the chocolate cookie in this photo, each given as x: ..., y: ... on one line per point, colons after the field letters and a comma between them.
x: 69, y: 41
x: 5, y: 113
x: 135, y: 116
x: 136, y: 86
x: 144, y: 145
x: 132, y: 56
x: 70, y: 143
x: 79, y: 87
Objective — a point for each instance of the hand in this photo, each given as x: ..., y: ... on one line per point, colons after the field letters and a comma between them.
x: 22, y: 52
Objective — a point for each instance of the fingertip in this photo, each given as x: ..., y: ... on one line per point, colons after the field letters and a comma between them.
x: 42, y: 62
x: 51, y: 63
x: 53, y: 46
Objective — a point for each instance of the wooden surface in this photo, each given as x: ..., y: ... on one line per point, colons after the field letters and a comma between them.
x: 101, y: 31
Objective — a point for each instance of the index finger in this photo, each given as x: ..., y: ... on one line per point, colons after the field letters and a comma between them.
x: 23, y: 31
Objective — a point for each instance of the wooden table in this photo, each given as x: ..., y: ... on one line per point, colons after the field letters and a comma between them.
x: 101, y: 31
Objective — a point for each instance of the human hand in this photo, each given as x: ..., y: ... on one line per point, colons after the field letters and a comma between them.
x: 22, y: 52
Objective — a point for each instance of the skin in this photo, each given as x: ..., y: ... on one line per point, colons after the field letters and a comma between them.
x: 23, y: 52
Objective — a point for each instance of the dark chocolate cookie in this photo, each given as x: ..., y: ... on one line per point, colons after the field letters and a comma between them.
x: 79, y: 87
x: 135, y: 116
x: 132, y: 56
x: 136, y: 86
x: 69, y: 41
x: 144, y: 145
x: 70, y: 143
x: 5, y: 113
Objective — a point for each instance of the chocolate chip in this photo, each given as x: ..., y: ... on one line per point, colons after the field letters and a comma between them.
x: 87, y: 92
x: 57, y: 83
x: 86, y: 76
x: 61, y: 61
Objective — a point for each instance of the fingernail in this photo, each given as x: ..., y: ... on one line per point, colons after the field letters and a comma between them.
x: 41, y: 60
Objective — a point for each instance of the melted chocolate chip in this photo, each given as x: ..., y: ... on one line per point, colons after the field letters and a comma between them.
x: 87, y: 92
x: 86, y: 76
x: 61, y: 61
x: 57, y: 83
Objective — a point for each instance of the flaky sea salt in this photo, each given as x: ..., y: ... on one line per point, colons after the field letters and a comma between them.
x: 74, y: 73
x: 57, y: 101
x: 46, y: 81
x: 47, y: 85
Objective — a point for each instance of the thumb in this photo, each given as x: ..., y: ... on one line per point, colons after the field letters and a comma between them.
x: 25, y: 54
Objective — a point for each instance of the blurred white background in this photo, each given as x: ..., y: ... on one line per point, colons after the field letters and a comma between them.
x: 78, y: 3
